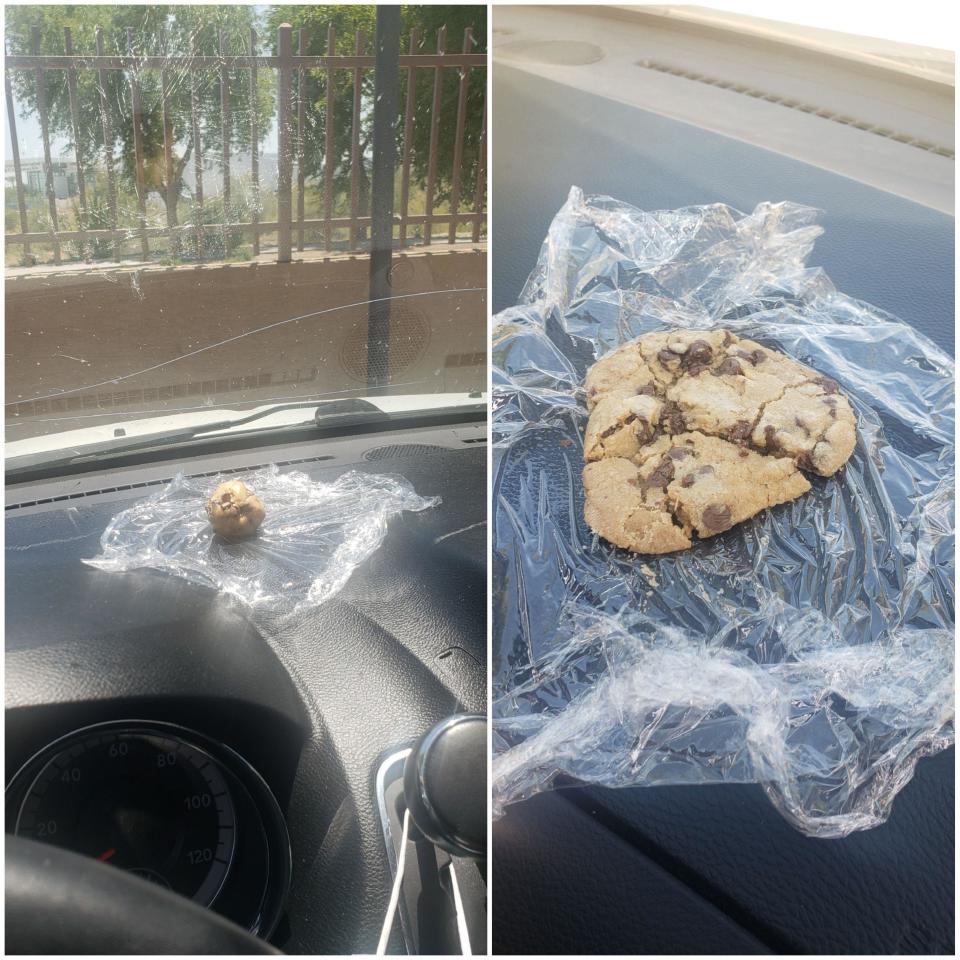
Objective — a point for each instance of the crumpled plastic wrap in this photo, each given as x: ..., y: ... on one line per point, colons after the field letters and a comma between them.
x: 809, y: 650
x: 315, y: 534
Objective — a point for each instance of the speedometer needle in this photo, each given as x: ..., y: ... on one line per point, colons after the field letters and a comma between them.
x: 107, y: 854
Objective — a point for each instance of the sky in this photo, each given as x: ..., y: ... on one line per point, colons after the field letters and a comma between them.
x: 922, y: 22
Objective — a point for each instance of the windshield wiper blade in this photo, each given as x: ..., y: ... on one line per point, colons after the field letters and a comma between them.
x: 327, y: 414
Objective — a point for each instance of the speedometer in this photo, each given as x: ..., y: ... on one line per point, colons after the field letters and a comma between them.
x: 143, y: 800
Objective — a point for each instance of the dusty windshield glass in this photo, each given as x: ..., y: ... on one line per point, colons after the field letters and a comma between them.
x: 214, y: 209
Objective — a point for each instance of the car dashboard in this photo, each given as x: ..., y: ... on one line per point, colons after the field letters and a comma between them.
x: 288, y: 720
x: 715, y: 868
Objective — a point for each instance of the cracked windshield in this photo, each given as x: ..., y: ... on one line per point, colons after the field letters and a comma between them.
x: 225, y: 213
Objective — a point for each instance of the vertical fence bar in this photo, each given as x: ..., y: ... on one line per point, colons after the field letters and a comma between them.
x: 434, y: 138
x: 355, y: 144
x: 284, y: 153
x: 408, y: 138
x: 45, y: 135
x: 381, y: 191
x: 301, y: 146
x: 328, y: 162
x: 480, y: 188
x: 197, y: 153
x: 287, y: 63
x: 170, y: 191
x: 254, y: 146
x: 75, y: 123
x: 138, y: 150
x: 225, y: 137
x: 108, y: 145
x: 458, y: 139
x: 17, y: 170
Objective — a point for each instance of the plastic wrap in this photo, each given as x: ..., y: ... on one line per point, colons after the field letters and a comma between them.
x: 313, y: 537
x: 810, y: 649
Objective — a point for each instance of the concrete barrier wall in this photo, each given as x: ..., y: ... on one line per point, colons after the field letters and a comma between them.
x: 121, y: 344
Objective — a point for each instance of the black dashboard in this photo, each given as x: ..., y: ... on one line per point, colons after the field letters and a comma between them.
x: 713, y: 869
x: 238, y: 724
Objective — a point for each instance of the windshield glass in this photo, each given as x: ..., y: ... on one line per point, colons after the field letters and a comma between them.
x: 213, y: 209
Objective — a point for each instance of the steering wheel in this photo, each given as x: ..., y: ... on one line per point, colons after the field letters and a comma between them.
x: 60, y: 902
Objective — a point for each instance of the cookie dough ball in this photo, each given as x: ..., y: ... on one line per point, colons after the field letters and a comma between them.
x: 234, y: 510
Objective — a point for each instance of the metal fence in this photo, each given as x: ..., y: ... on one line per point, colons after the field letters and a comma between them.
x: 291, y: 69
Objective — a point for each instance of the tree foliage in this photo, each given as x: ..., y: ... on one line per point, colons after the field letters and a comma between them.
x: 347, y: 21
x: 159, y: 30
x: 181, y: 30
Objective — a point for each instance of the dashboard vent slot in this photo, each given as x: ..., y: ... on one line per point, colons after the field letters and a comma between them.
x: 409, y: 339
x: 402, y: 450
x: 918, y: 142
x: 85, y: 493
x: 122, y: 487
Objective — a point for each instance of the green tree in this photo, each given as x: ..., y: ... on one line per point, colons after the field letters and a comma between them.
x: 158, y: 30
x: 347, y: 21
x: 429, y: 19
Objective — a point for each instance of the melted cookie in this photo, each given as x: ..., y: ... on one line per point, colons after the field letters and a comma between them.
x: 697, y: 431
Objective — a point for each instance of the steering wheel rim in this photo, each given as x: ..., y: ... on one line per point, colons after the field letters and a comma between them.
x: 59, y: 902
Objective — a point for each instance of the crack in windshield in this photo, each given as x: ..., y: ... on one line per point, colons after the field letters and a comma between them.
x: 240, y: 336
x: 179, y: 176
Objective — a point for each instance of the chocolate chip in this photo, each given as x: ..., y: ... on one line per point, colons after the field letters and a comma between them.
x: 678, y: 453
x: 699, y: 352
x: 754, y: 356
x: 727, y: 338
x: 661, y: 475
x: 645, y: 432
x: 769, y: 433
x: 647, y: 390
x: 687, y: 481
x: 741, y: 430
x: 672, y: 416
x: 829, y: 384
x: 694, y: 370
x: 704, y: 470
x: 802, y: 425
x: 610, y: 431
x: 744, y: 454
x: 667, y: 356
x: 717, y: 517
x: 730, y: 368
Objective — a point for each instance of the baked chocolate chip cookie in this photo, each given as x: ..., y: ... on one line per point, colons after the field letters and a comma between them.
x: 696, y: 431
